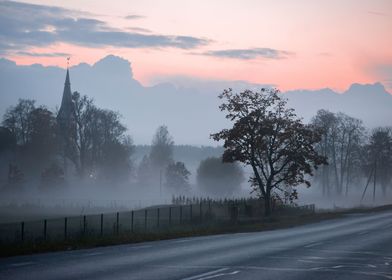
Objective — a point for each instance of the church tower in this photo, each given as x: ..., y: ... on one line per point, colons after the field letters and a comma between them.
x: 66, y: 122
x: 66, y: 115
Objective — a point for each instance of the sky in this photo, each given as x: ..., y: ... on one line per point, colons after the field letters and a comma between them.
x: 291, y: 44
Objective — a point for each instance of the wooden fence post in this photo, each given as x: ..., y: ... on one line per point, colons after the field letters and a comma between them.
x: 22, y: 226
x: 201, y: 212
x: 101, y: 224
x: 170, y: 215
x: 65, y: 228
x: 84, y: 225
x: 158, y: 217
x: 117, y: 223
x: 45, y: 229
x: 145, y: 220
x: 180, y: 214
x: 132, y: 214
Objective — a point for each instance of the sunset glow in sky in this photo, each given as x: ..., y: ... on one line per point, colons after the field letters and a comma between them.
x: 288, y: 43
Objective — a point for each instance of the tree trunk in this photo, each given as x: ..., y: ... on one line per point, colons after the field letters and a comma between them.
x: 335, y: 168
x: 327, y: 181
x: 375, y: 181
x: 267, y: 204
x: 347, y: 180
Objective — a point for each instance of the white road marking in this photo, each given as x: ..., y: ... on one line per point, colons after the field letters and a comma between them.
x: 21, y: 264
x: 372, y: 266
x: 338, y: 266
x: 218, y: 275
x: 307, y: 261
x: 313, y: 244
x: 205, y: 274
x: 316, y: 268
x: 314, y: 258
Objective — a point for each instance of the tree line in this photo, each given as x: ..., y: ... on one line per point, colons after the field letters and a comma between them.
x: 35, y: 150
x: 334, y: 150
x: 283, y: 152
x: 354, y: 154
x: 32, y: 142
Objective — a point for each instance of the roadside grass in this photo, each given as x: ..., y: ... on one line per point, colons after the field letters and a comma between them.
x: 271, y: 223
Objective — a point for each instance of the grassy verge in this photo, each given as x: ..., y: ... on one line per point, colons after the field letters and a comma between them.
x: 271, y: 223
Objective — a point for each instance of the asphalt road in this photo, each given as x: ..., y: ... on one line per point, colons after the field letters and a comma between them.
x: 358, y: 246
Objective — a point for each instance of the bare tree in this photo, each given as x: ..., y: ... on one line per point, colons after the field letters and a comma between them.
x: 17, y: 120
x: 341, y: 141
x: 35, y: 132
x: 84, y: 111
x: 151, y: 171
x: 326, y: 123
x: 161, y: 153
x: 378, y: 160
x: 43, y: 147
x: 346, y: 139
x: 102, y: 145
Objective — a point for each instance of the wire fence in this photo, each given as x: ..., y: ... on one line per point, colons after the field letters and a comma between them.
x: 80, y: 203
x: 148, y: 220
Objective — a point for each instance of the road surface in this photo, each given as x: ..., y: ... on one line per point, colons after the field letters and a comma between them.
x: 358, y: 246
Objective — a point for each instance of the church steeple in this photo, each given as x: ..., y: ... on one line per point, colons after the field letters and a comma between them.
x: 66, y: 112
x: 67, y: 82
x: 66, y: 121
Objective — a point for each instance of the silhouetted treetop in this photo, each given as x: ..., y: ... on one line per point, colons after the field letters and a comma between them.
x: 270, y: 138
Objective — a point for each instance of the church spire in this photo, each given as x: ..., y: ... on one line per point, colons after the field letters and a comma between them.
x: 67, y: 122
x: 66, y: 112
x: 67, y: 82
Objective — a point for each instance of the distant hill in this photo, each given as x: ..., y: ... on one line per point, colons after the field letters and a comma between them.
x: 188, y: 107
x: 369, y: 102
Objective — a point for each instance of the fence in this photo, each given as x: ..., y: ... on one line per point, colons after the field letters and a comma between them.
x: 148, y: 220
